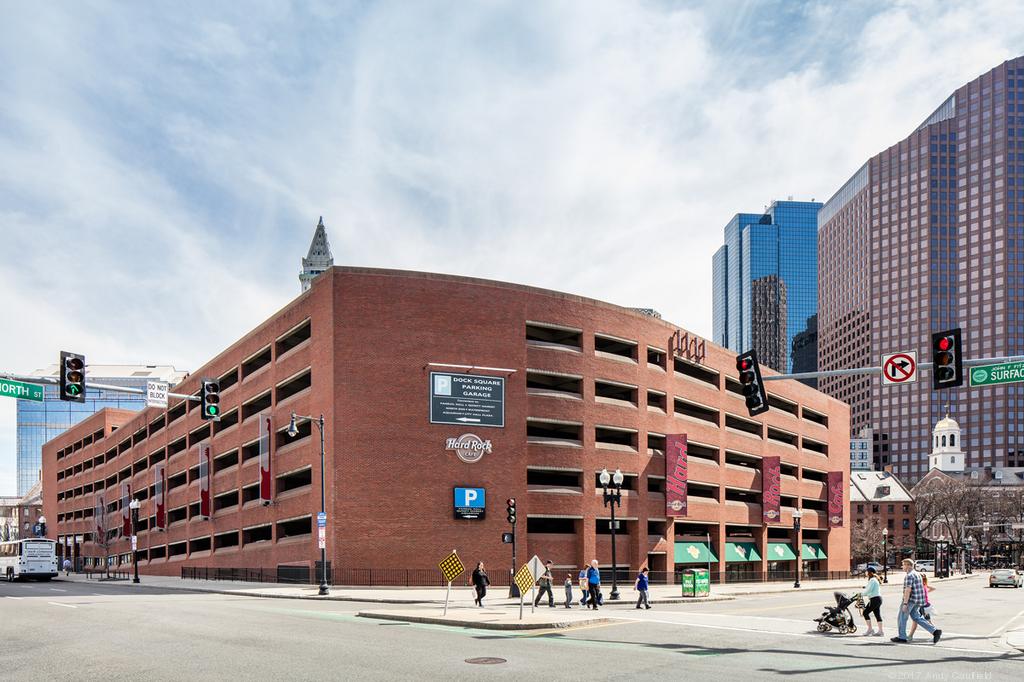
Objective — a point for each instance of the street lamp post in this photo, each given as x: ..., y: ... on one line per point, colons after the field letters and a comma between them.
x: 293, y: 430
x: 613, y: 497
x: 885, y: 555
x: 797, y: 514
x: 134, y: 507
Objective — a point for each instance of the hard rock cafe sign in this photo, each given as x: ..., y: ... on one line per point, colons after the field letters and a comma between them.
x: 469, y: 447
x: 688, y: 346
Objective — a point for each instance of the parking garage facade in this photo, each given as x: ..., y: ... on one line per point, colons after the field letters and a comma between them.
x: 586, y: 386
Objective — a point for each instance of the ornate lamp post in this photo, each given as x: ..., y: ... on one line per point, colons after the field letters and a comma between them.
x: 885, y: 555
x: 613, y: 497
x: 797, y: 514
x: 293, y: 430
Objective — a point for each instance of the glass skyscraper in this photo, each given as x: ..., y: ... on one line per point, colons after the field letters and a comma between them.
x: 39, y: 422
x: 765, y: 285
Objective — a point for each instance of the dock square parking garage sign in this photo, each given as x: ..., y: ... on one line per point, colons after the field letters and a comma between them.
x: 467, y: 399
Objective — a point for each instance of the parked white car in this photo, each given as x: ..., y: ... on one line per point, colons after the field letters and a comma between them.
x: 925, y: 566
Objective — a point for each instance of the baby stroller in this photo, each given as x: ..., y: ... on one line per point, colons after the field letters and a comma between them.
x: 839, y: 616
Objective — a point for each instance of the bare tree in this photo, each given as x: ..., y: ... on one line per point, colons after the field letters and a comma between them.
x: 866, y: 540
x: 101, y: 536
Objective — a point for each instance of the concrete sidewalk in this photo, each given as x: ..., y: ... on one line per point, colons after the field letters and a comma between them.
x: 462, y: 595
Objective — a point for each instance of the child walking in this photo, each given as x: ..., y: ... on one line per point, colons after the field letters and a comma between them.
x: 642, y: 586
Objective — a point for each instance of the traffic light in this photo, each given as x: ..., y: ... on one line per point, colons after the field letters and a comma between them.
x: 511, y: 509
x: 751, y: 384
x: 72, y: 377
x: 209, y: 399
x: 947, y: 359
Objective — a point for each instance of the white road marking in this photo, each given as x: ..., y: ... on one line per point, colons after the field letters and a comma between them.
x: 716, y: 627
x: 10, y: 597
x: 57, y: 589
x: 1006, y: 625
x: 67, y: 606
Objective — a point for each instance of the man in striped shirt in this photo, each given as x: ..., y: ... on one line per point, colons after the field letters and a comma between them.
x: 914, y: 598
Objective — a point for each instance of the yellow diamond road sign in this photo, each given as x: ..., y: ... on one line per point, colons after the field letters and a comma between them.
x: 451, y: 567
x: 523, y: 579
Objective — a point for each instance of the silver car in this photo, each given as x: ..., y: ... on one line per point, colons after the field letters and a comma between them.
x: 1005, y: 576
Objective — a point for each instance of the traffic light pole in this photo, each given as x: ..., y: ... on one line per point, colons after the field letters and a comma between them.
x: 89, y: 384
x: 878, y: 370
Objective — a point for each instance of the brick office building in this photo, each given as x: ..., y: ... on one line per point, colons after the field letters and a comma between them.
x: 588, y: 385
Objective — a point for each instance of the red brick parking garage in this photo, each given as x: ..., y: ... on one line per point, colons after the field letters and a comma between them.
x: 588, y: 386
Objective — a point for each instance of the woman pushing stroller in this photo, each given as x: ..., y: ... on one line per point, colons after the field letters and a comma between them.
x: 872, y: 594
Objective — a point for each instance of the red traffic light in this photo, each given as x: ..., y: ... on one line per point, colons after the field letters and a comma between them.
x: 511, y: 501
x: 945, y: 343
x: 743, y: 364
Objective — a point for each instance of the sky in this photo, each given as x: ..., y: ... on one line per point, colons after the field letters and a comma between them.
x: 163, y: 165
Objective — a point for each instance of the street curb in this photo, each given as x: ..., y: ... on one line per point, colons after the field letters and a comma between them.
x: 436, y: 620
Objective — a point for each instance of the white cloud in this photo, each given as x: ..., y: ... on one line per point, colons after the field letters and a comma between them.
x: 597, y: 148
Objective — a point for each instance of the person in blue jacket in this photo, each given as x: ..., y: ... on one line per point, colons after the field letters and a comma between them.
x: 593, y: 584
x: 642, y: 587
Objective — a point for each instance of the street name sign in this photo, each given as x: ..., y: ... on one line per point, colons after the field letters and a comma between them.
x: 464, y: 399
x: 18, y: 389
x: 156, y: 393
x: 321, y: 519
x: 899, y: 368
x: 1002, y: 373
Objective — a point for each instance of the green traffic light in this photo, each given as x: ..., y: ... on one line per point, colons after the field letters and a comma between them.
x: 211, y: 409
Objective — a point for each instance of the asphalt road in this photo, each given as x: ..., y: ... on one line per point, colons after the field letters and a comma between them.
x: 61, y: 630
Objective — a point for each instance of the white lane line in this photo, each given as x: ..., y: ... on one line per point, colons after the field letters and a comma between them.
x: 1006, y: 625
x: 57, y: 589
x: 10, y: 597
x: 716, y: 627
x: 67, y: 606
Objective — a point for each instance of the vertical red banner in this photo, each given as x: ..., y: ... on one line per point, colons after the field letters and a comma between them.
x: 836, y: 488
x: 266, y: 445
x: 159, y: 498
x: 771, y: 489
x: 204, y: 480
x: 675, y: 474
x: 126, y: 513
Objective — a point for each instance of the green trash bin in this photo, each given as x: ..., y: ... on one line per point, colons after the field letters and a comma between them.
x: 696, y: 582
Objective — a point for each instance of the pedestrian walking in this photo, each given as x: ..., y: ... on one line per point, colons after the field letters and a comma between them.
x: 583, y: 586
x: 568, y: 590
x: 926, y: 609
x: 594, y: 584
x: 67, y: 566
x: 544, y: 582
x: 872, y: 593
x: 641, y: 587
x: 910, y: 607
x: 480, y: 583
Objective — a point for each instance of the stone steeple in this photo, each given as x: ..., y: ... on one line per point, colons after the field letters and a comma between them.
x: 319, y: 257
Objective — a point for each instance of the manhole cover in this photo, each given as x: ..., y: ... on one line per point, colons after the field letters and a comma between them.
x: 485, y: 660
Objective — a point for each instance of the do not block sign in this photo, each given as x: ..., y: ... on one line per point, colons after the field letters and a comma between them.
x: 899, y: 368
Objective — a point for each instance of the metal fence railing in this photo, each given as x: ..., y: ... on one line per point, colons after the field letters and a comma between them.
x: 99, y: 573
x: 432, y: 577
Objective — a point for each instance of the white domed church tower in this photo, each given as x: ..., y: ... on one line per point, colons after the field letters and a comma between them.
x: 946, y: 453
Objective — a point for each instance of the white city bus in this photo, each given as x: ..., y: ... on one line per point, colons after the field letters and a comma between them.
x: 31, y: 558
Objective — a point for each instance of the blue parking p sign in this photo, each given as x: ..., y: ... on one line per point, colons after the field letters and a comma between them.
x: 470, y: 503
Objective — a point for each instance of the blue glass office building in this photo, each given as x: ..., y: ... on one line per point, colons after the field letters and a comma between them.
x: 39, y: 422
x: 765, y: 285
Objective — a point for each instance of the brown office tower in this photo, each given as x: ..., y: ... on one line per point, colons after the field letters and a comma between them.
x: 925, y: 237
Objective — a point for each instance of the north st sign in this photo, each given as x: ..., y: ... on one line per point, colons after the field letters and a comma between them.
x: 1002, y: 373
x: 17, y: 389
x: 467, y: 399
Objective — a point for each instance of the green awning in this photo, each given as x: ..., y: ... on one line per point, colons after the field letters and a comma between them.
x: 813, y: 551
x: 741, y: 551
x: 780, y: 551
x: 694, y: 553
